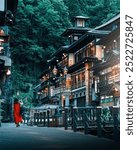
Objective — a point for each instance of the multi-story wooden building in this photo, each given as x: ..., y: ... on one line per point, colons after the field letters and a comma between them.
x: 107, y: 72
x: 7, y: 12
x: 75, y: 72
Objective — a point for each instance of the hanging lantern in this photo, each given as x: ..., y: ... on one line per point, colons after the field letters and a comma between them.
x: 68, y: 81
x: 8, y: 72
x: 65, y: 70
x: 55, y: 70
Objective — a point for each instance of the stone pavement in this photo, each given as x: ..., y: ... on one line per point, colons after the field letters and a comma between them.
x: 43, y: 138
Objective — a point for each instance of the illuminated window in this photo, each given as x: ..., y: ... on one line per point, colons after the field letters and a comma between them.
x: 1, y: 49
x: 75, y: 38
x: 1, y: 32
x: 2, y: 5
x: 80, y: 23
x: 99, y: 52
x: 71, y: 59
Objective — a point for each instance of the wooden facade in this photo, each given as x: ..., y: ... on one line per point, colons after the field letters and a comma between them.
x: 7, y: 12
x: 92, y: 61
x: 7, y: 16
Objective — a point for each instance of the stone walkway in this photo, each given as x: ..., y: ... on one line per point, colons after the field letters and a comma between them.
x: 43, y: 138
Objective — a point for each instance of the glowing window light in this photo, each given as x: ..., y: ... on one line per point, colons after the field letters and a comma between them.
x: 8, y: 72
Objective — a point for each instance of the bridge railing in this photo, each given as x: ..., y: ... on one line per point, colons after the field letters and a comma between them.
x: 103, y: 120
x: 45, y: 115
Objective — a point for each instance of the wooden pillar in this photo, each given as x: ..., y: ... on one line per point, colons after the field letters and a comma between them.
x: 48, y: 118
x: 85, y: 121
x: 115, y: 111
x: 99, y: 129
x: 44, y: 117
x: 66, y: 118
x: 35, y: 114
x: 75, y: 119
x: 38, y: 117
x: 88, y: 83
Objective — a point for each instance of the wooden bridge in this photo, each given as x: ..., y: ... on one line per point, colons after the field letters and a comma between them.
x: 90, y: 120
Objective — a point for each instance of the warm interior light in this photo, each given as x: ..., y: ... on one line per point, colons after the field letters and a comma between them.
x: 55, y: 70
x: 61, y: 75
x: 65, y: 70
x: 69, y: 36
x: 8, y: 72
x: 63, y: 97
x: 102, y: 72
x: 115, y: 89
x: 1, y: 40
x: 1, y: 48
x: 64, y: 55
x: 91, y: 44
x: 1, y: 32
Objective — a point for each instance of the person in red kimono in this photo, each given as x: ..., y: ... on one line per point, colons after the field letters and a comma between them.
x: 17, y: 115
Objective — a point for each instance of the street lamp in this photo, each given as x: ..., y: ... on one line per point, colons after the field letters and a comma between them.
x: 8, y: 72
x: 61, y: 77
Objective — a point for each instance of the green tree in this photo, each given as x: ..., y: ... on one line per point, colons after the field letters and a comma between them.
x: 35, y: 36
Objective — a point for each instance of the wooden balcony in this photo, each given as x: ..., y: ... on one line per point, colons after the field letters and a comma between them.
x: 78, y: 85
x: 43, y: 98
x: 44, y: 84
x: 105, y: 88
x: 81, y: 64
x: 59, y: 90
x: 114, y: 79
x: 43, y: 95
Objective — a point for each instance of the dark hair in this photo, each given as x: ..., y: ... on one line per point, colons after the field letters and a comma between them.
x: 16, y: 100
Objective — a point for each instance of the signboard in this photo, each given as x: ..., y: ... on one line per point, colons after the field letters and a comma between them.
x: 2, y: 5
x: 107, y: 100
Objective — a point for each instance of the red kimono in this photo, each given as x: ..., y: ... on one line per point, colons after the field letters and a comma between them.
x: 17, y: 116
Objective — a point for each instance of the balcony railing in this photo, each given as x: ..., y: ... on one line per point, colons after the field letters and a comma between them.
x: 113, y: 79
x: 78, y: 85
x: 43, y: 96
x: 58, y: 90
x: 103, y: 83
x: 63, y: 63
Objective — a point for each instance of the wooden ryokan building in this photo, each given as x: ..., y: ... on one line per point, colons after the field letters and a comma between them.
x: 7, y: 16
x: 85, y: 72
x: 7, y: 12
